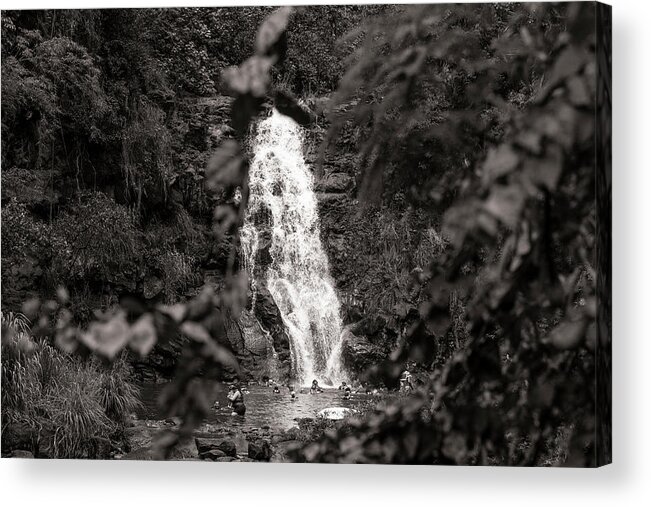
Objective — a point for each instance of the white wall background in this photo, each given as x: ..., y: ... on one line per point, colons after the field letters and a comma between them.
x: 626, y: 482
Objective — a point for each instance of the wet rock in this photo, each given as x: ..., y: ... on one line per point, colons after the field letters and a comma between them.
x: 213, y: 455
x: 358, y: 353
x: 225, y: 459
x: 259, y: 450
x: 327, y: 198
x: 18, y: 436
x: 152, y: 287
x: 270, y: 318
x: 184, y: 451
x: 19, y: 453
x: 226, y: 446
x: 368, y: 326
x: 336, y: 183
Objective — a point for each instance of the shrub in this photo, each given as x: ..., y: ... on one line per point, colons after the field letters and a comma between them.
x: 22, y: 235
x: 174, y: 248
x: 72, y: 408
x: 179, y: 272
x: 26, y: 251
x: 98, y: 241
x: 146, y: 154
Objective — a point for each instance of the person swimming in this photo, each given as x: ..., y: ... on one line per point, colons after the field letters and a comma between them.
x: 347, y: 393
x: 236, y: 398
x: 276, y: 390
x: 292, y: 393
x: 342, y: 386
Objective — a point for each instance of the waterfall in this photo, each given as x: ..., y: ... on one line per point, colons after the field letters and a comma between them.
x: 282, y: 215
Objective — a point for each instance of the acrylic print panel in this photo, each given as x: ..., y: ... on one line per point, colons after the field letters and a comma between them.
x: 347, y: 234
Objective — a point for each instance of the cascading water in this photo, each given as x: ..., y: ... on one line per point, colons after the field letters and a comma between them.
x: 282, y: 202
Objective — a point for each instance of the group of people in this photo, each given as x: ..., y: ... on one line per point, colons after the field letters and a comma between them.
x: 276, y: 388
x: 236, y: 392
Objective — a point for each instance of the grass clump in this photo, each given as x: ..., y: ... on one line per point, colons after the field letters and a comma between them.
x: 58, y: 405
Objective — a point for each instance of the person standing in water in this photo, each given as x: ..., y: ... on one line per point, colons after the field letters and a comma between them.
x: 315, y: 387
x: 236, y: 398
x: 406, y: 384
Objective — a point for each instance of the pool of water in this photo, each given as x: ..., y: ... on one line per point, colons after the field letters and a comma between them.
x: 263, y: 407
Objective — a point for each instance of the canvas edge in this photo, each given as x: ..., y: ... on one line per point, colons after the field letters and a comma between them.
x: 603, y: 180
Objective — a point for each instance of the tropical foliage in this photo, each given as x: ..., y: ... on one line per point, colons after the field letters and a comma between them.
x: 472, y: 132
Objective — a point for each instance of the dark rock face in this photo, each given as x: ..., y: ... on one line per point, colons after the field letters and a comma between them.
x: 359, y: 353
x: 269, y: 316
x: 259, y: 450
x: 368, y: 326
x: 160, y: 364
x: 330, y: 198
x: 335, y: 183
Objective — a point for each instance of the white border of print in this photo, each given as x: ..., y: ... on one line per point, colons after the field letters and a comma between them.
x: 626, y: 482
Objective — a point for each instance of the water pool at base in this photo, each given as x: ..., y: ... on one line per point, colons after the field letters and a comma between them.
x: 263, y: 407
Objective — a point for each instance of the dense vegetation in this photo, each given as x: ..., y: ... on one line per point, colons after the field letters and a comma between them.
x: 469, y: 131
x: 58, y: 406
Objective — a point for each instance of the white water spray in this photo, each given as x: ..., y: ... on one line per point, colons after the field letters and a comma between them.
x: 282, y: 200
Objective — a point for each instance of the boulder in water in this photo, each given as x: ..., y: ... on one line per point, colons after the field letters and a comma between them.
x: 213, y: 455
x: 204, y: 445
x: 259, y: 450
x: 335, y: 413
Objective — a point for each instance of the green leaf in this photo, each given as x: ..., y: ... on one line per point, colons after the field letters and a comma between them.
x: 272, y: 30
x: 570, y: 332
x: 220, y: 355
x: 177, y: 312
x: 500, y: 162
x: 143, y: 335
x: 545, y: 172
x: 250, y: 78
x: 505, y: 203
x: 107, y: 338
x: 226, y: 220
x: 195, y: 332
x: 225, y: 168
